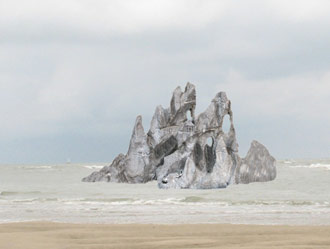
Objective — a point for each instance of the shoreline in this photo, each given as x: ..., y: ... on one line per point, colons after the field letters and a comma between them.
x: 53, y: 235
x: 162, y: 224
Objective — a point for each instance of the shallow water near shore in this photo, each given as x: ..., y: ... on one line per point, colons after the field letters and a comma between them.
x: 300, y: 195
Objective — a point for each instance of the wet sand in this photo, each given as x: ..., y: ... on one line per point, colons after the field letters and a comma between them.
x: 48, y: 235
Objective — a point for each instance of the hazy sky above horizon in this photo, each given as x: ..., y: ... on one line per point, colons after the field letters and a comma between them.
x: 75, y: 74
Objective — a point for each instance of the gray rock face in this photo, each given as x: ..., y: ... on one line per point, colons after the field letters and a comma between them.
x: 257, y: 166
x: 184, y: 151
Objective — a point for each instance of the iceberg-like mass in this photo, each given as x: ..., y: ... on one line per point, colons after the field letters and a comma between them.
x: 182, y: 152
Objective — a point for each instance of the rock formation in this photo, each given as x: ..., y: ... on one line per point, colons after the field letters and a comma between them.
x: 184, y: 151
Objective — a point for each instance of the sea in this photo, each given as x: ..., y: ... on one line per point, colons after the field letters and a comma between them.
x: 300, y: 195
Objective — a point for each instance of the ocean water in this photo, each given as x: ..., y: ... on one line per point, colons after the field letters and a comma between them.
x: 299, y: 195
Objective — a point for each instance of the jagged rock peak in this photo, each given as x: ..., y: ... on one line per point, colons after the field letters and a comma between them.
x: 185, y: 151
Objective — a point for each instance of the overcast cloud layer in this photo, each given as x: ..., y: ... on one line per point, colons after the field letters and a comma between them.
x: 75, y: 74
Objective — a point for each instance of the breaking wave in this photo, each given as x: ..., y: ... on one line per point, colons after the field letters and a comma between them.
x: 93, y: 167
x: 314, y: 166
x: 186, y: 201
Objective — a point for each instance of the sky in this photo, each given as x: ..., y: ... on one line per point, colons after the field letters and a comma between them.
x: 75, y: 74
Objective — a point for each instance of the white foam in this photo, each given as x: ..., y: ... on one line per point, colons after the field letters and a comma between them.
x: 300, y: 166
x: 93, y: 167
x: 320, y: 165
x: 314, y: 165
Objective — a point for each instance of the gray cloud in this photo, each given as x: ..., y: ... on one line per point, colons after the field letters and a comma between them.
x: 74, y: 75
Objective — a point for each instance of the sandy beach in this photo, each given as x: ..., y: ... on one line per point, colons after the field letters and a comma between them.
x: 35, y: 235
